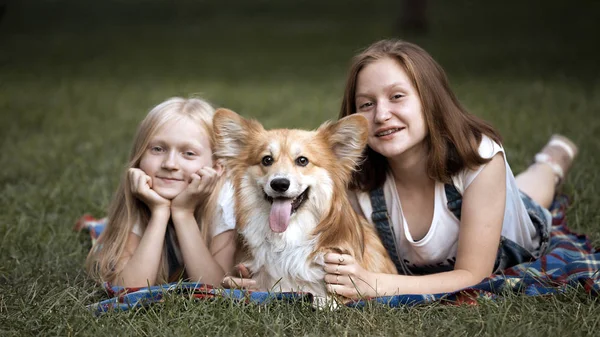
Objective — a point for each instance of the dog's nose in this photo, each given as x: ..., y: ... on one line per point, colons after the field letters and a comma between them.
x: 280, y: 184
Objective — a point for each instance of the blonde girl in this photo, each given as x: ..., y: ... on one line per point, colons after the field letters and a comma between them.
x: 172, y: 214
x: 436, y: 183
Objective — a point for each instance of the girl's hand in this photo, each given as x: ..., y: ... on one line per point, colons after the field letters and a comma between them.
x: 244, y: 281
x: 347, y: 278
x: 197, y: 192
x: 141, y: 187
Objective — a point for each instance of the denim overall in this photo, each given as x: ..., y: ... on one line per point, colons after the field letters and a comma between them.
x: 176, y: 269
x: 509, y: 252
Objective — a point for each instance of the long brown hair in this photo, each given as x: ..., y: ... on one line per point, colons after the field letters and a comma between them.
x: 453, y: 133
x: 126, y: 210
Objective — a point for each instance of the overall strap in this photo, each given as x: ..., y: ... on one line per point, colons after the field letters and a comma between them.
x: 382, y: 224
x: 454, y: 199
x: 170, y: 241
x: 505, y: 250
x: 381, y: 220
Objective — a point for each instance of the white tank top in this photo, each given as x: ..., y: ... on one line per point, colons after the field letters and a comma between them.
x: 438, y: 247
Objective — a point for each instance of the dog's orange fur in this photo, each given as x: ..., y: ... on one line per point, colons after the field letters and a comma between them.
x: 340, y: 228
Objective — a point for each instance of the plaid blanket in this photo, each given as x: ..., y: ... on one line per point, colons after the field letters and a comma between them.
x: 571, y: 261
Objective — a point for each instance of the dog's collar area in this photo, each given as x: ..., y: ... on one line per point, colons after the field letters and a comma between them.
x: 296, y: 202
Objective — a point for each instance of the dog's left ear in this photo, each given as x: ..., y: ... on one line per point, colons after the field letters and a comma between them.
x: 347, y: 138
x: 232, y: 132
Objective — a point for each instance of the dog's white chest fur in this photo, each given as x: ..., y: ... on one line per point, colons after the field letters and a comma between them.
x: 282, y: 261
x: 285, y: 261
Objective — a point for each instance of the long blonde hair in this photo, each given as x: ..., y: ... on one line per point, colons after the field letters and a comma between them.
x: 126, y: 210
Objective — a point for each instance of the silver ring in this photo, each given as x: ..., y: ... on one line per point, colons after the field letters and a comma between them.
x: 341, y: 258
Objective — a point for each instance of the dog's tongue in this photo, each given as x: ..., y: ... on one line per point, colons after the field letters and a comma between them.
x: 280, y: 215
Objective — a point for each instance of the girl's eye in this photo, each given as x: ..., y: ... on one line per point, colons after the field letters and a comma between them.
x: 267, y: 161
x: 189, y: 153
x: 301, y: 161
x: 365, y: 106
x: 397, y: 96
x: 156, y: 149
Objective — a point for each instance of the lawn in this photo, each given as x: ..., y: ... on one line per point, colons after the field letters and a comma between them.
x: 77, y: 76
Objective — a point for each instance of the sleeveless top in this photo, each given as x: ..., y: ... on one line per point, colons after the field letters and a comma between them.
x: 436, y: 251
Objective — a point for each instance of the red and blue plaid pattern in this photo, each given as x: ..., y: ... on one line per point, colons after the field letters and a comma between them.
x: 571, y: 261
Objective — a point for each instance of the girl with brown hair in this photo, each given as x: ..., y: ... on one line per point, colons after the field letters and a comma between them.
x: 436, y: 183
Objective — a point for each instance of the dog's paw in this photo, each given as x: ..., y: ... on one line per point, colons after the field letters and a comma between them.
x: 243, y: 270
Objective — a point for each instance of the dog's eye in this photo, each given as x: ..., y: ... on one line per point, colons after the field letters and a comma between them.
x: 267, y: 161
x: 301, y: 161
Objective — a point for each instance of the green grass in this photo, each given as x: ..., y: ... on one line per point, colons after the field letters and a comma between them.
x: 77, y: 76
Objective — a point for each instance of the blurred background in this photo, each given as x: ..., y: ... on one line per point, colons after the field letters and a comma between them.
x: 250, y: 55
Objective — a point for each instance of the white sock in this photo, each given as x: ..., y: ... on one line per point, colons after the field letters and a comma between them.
x: 545, y: 158
x: 563, y: 145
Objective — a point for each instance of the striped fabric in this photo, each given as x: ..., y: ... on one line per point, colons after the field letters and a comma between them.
x: 571, y: 261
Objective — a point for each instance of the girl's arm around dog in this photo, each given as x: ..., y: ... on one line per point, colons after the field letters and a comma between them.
x: 482, y: 216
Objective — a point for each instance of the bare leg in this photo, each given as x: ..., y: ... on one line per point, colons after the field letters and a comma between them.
x: 541, y: 179
x: 538, y: 182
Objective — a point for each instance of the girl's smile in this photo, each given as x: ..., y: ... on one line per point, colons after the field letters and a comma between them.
x: 170, y: 180
x: 387, y: 132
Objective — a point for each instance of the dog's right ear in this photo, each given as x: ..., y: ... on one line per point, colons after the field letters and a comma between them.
x: 231, y: 133
x: 347, y: 138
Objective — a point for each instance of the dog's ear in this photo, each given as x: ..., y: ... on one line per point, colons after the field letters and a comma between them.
x: 347, y: 138
x: 231, y: 133
x: 230, y: 136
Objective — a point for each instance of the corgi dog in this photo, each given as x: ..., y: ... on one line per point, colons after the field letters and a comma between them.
x: 291, y: 202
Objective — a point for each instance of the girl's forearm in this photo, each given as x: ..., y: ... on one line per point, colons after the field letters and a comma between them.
x: 454, y: 280
x: 141, y: 269
x: 200, y: 264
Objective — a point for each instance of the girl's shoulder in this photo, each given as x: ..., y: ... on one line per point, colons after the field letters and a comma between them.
x: 225, y: 215
x: 488, y: 148
x: 227, y: 193
x: 361, y: 201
